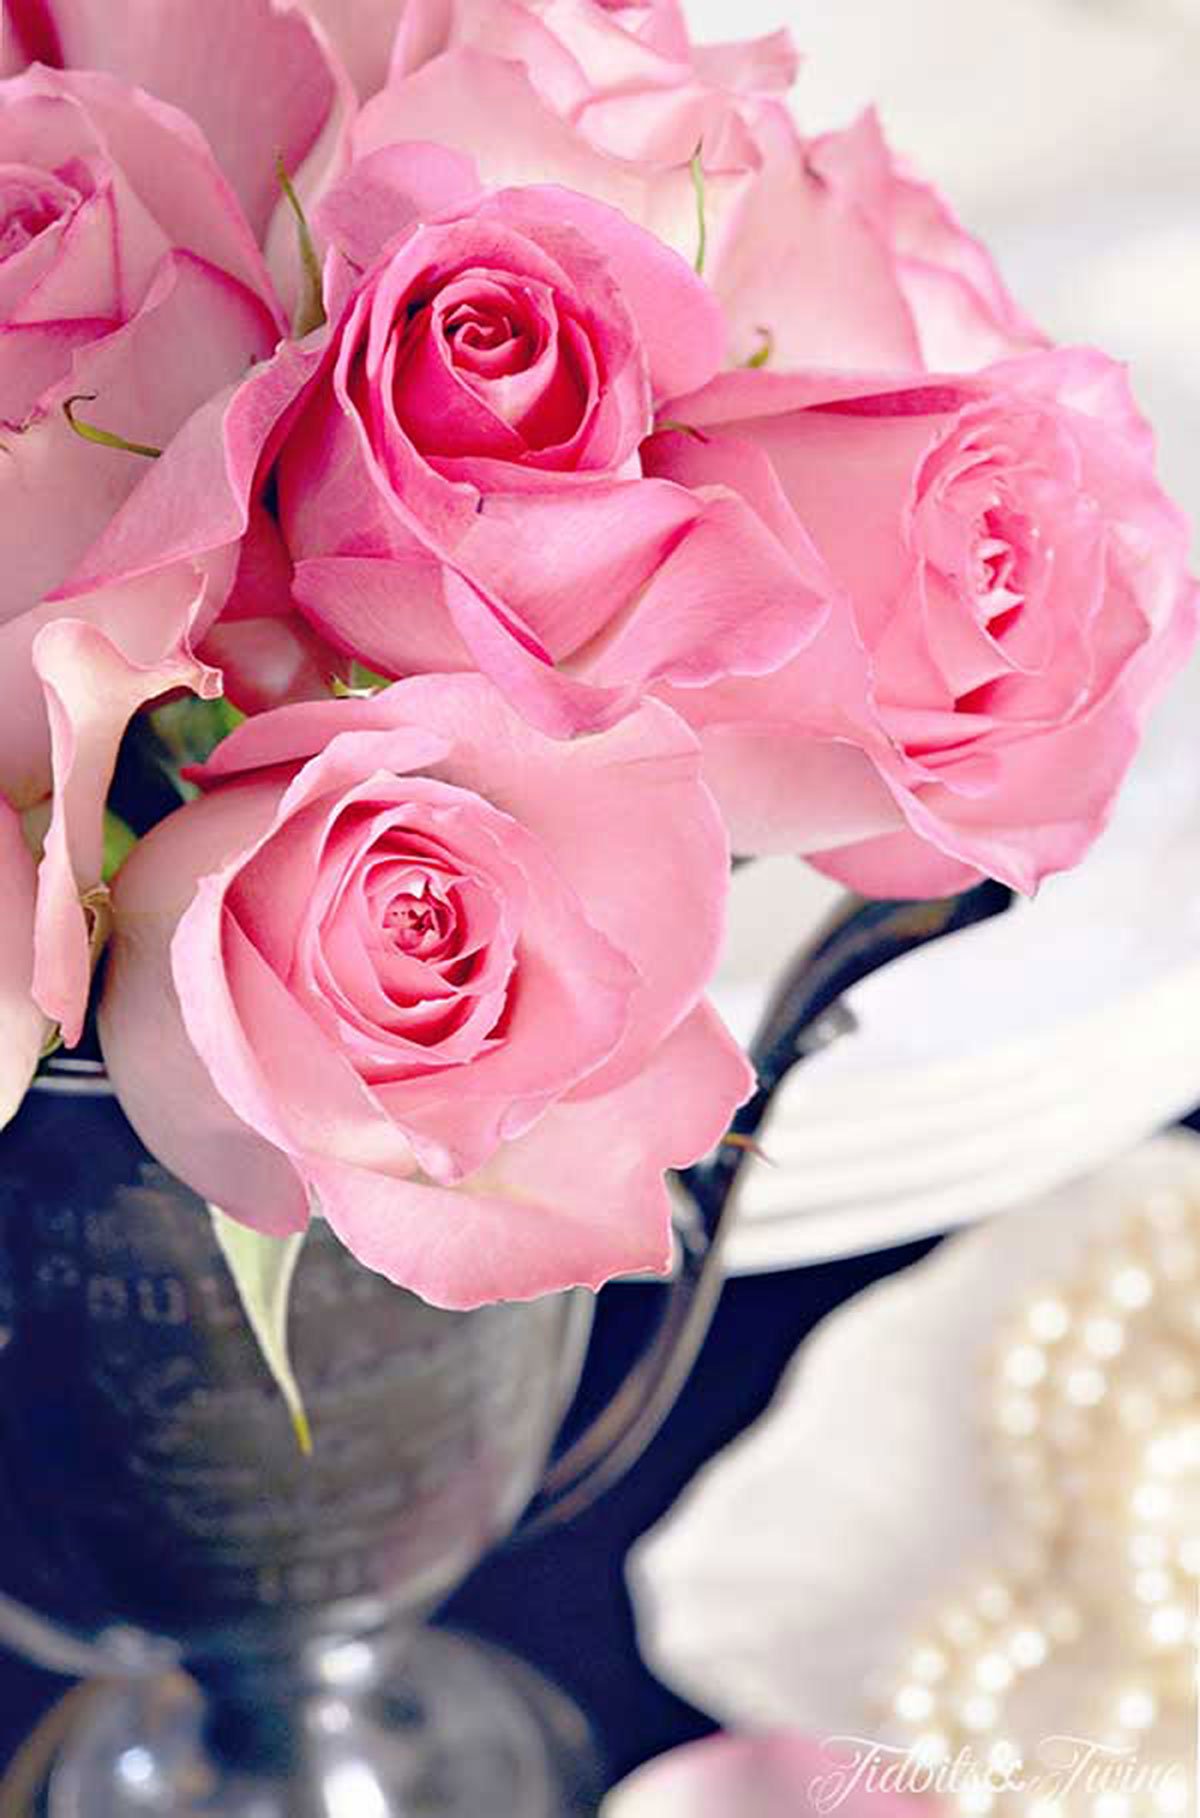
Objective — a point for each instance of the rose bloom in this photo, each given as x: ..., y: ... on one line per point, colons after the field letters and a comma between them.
x: 1014, y: 597
x: 424, y: 960
x: 616, y: 102
x: 132, y: 281
x: 454, y: 466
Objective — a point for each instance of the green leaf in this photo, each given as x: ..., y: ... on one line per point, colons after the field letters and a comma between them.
x: 104, y: 438
x: 189, y: 730
x: 311, y: 311
x: 119, y: 842
x: 697, y: 169
x: 262, y: 1268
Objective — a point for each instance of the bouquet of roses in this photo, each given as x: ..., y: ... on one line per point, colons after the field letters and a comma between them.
x: 469, y: 466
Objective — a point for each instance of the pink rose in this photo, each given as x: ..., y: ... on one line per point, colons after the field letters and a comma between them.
x: 774, y: 1775
x: 615, y: 101
x: 961, y: 313
x: 455, y: 468
x: 131, y: 280
x: 424, y: 959
x: 127, y: 270
x: 251, y: 74
x: 1015, y: 597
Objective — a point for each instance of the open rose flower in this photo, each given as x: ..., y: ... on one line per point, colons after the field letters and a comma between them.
x: 127, y: 272
x: 455, y: 469
x: 131, y: 283
x: 252, y: 75
x: 1015, y: 598
x: 424, y: 959
x: 616, y: 102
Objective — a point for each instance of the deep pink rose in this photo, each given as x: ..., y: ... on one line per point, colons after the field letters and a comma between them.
x: 616, y: 102
x: 1015, y: 596
x: 424, y: 960
x: 455, y: 469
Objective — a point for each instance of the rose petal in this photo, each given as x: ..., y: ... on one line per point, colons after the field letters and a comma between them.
x: 252, y: 74
x: 535, y: 1222
x: 23, y: 1029
x: 164, y: 1088
x: 58, y: 491
x: 93, y: 690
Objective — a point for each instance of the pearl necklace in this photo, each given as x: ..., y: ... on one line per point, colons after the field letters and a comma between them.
x: 1086, y: 1628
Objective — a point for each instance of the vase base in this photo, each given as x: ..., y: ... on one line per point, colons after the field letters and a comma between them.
x: 469, y: 1733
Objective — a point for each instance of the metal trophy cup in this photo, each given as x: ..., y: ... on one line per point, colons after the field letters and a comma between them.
x: 258, y: 1617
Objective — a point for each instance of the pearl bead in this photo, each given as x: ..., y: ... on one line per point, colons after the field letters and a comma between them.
x: 993, y: 1673
x: 931, y: 1748
x: 960, y: 1626
x: 929, y: 1663
x: 1085, y: 1385
x: 1137, y: 1709
x: 1025, y: 1366
x: 978, y: 1713
x: 1094, y: 1426
x: 914, y: 1704
x: 1170, y: 1626
x: 976, y: 1800
x: 1130, y: 1284
x: 1028, y: 1648
x: 1049, y: 1319
x: 1104, y: 1336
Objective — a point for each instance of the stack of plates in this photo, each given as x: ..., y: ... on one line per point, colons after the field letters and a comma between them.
x: 999, y: 1063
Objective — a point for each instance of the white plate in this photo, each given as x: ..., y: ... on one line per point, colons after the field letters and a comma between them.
x: 786, y: 1585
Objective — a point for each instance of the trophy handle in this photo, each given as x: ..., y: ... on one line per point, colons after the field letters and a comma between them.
x: 805, y: 1014
x: 118, y: 1653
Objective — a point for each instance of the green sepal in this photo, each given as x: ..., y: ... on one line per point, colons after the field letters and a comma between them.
x: 698, y: 184
x: 262, y: 1268
x: 104, y: 438
x: 310, y: 313
x: 119, y: 842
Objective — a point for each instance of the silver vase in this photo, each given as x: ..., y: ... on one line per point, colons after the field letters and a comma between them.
x: 156, y: 1512
x: 258, y: 1618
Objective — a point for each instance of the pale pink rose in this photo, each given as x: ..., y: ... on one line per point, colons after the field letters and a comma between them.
x: 1014, y: 597
x: 363, y: 33
x: 251, y: 74
x: 424, y: 959
x: 820, y: 252
x: 776, y: 1775
x: 130, y: 281
x: 127, y: 270
x: 962, y: 314
x: 455, y: 465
